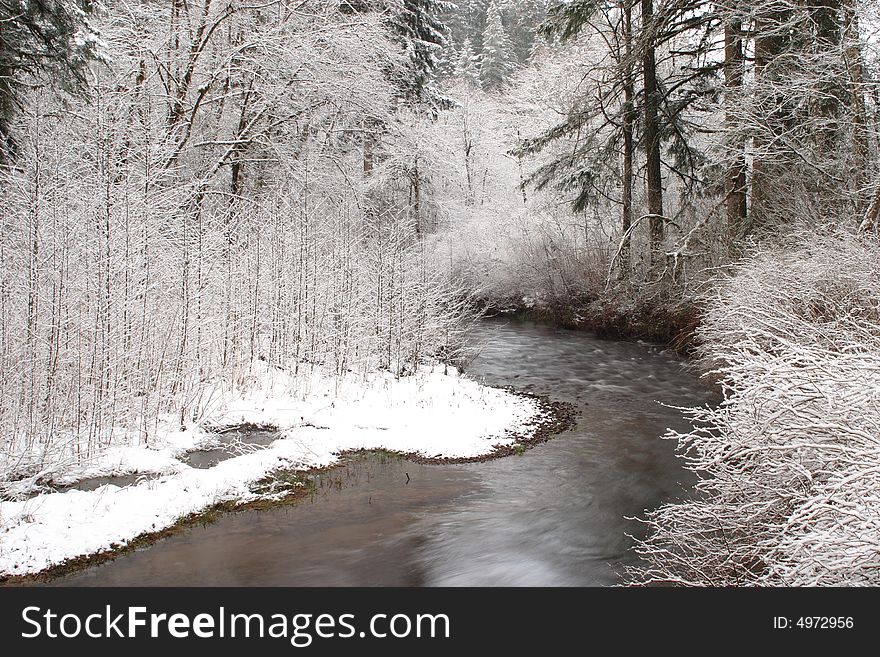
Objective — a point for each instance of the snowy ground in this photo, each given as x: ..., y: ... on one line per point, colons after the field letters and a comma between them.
x: 434, y: 413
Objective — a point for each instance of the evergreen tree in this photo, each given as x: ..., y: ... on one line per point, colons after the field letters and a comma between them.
x: 620, y: 117
x: 497, y: 61
x: 41, y: 40
x: 468, y: 64
x: 466, y: 20
x: 522, y: 18
x: 422, y: 33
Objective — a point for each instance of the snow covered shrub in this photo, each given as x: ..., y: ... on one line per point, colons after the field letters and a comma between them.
x: 511, y: 246
x: 527, y: 260
x: 789, y: 463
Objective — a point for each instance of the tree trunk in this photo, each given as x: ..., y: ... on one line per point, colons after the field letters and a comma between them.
x: 855, y: 65
x: 768, y: 42
x: 369, y: 143
x: 417, y: 198
x: 735, y: 176
x: 7, y: 109
x: 628, y: 146
x: 653, y: 174
x: 870, y: 220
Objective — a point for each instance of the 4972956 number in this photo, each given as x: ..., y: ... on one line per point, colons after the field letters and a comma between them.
x: 814, y: 623
x: 824, y: 622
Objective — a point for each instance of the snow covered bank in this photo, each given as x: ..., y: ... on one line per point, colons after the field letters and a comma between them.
x: 435, y: 413
x: 790, y: 461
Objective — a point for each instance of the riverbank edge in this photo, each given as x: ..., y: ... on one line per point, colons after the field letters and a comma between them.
x: 555, y: 417
x: 673, y: 325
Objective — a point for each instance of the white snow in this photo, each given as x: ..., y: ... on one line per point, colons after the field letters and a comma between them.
x: 789, y: 462
x: 436, y: 412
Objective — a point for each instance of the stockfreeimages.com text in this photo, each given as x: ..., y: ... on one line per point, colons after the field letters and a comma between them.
x: 299, y: 629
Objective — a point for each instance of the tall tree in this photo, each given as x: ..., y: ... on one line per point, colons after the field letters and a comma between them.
x: 497, y: 61
x: 421, y: 32
x: 466, y: 20
x: 855, y: 64
x: 653, y: 174
x: 628, y: 130
x: 735, y: 176
x: 47, y: 41
x: 522, y: 18
x: 803, y: 113
x: 614, y: 110
x: 468, y: 64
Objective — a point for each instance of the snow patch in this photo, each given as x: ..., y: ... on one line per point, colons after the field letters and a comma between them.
x: 436, y: 412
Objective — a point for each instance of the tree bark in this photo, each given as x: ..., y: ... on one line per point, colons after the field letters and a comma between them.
x: 735, y: 176
x: 870, y: 221
x: 769, y: 41
x: 417, y: 198
x: 855, y: 65
x: 653, y: 174
x: 628, y: 145
x: 369, y: 144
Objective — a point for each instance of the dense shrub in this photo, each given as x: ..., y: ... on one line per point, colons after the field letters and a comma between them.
x: 789, y: 463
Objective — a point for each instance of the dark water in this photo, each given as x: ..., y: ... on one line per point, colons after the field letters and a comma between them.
x: 553, y: 516
x: 94, y: 483
x: 229, y: 444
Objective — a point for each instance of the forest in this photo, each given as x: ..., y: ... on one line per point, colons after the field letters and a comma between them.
x: 196, y: 194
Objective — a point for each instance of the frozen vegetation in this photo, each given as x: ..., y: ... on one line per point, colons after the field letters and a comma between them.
x: 219, y: 214
x: 201, y: 213
x: 789, y: 463
x: 290, y: 213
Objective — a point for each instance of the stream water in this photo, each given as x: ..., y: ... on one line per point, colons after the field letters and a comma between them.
x: 554, y: 516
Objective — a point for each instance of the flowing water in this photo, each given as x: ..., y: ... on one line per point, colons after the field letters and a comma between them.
x: 555, y: 515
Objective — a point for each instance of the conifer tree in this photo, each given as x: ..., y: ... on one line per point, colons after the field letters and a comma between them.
x: 468, y: 64
x: 497, y: 61
x: 466, y: 19
x: 43, y: 41
x: 422, y: 34
x: 521, y: 18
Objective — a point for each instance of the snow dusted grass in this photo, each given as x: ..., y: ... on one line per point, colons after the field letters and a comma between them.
x: 790, y: 462
x: 435, y: 413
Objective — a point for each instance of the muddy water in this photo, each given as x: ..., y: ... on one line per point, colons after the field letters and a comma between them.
x: 552, y: 516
